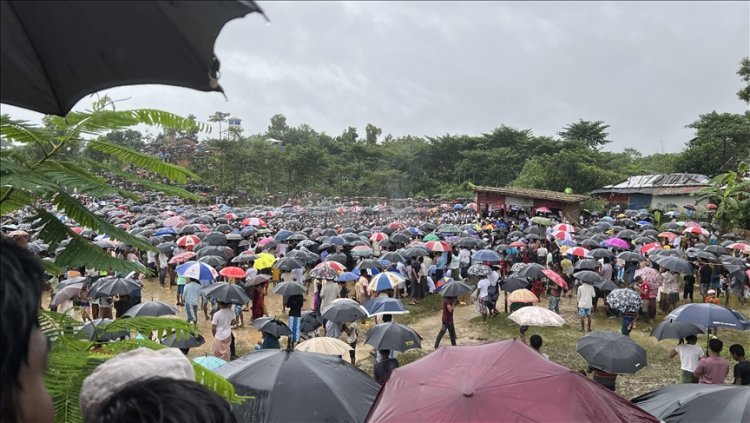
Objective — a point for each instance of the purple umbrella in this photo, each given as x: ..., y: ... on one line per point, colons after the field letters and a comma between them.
x: 617, y: 243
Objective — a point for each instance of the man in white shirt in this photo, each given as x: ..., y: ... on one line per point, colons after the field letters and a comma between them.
x: 482, y: 287
x: 465, y: 256
x: 585, y: 295
x: 689, y: 354
x: 541, y: 255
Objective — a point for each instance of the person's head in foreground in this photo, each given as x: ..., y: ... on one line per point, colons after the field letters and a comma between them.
x: 23, y: 356
x: 715, y: 345
x: 536, y: 342
x: 737, y: 352
x: 691, y: 339
x: 163, y: 400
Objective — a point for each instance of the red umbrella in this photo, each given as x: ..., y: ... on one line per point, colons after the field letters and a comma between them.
x: 651, y: 246
x: 517, y: 244
x: 77, y: 230
x: 579, y: 251
x: 378, y: 236
x: 712, y: 206
x: 188, y: 241
x: 543, y: 210
x: 182, y: 257
x: 438, y: 246
x: 556, y: 278
x: 668, y: 235
x: 497, y: 382
x: 233, y: 272
x: 175, y: 222
x: 254, y: 221
x: 232, y: 216
x: 336, y: 266
x: 396, y: 226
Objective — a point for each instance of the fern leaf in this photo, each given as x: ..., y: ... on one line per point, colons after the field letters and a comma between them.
x: 22, y: 131
x: 144, y: 161
x: 146, y: 325
x: 80, y: 252
x: 218, y: 384
x: 71, y: 176
x: 149, y: 185
x: 16, y: 200
x: 51, y: 230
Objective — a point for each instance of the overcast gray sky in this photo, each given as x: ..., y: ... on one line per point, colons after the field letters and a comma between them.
x: 429, y: 68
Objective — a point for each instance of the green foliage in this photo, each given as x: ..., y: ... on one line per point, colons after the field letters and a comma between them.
x: 72, y: 359
x: 744, y: 72
x: 721, y: 139
x: 40, y: 167
x: 588, y: 133
x: 730, y: 191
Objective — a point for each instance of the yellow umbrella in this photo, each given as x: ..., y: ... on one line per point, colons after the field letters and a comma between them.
x: 264, y: 261
x: 325, y: 345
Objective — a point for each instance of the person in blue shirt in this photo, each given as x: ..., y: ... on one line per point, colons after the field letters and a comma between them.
x: 190, y: 296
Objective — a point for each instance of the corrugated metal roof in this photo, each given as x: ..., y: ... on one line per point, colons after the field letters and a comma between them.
x: 538, y: 194
x: 661, y: 181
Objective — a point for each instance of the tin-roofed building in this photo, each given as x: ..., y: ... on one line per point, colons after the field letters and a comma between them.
x: 665, y: 191
x: 491, y: 199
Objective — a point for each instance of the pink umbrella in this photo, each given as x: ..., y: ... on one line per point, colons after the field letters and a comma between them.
x: 618, y: 243
x: 174, y: 222
x: 188, y: 241
x: 696, y: 230
x: 263, y: 242
x: 378, y: 236
x: 651, y: 276
x: 543, y: 210
x: 556, y: 278
x: 650, y: 246
x: 182, y: 257
x: 254, y: 221
x: 438, y: 246
x: 472, y: 206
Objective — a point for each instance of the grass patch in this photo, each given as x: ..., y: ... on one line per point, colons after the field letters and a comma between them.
x: 432, y: 303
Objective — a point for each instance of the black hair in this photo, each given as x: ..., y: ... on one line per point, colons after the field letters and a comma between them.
x: 737, y: 350
x: 715, y: 345
x: 21, y: 284
x: 691, y: 339
x: 164, y: 400
x: 535, y: 341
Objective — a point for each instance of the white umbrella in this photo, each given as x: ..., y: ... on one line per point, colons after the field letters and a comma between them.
x: 325, y: 345
x: 536, y: 316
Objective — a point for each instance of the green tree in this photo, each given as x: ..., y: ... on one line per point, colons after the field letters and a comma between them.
x: 731, y: 192
x: 191, y: 132
x: 219, y: 117
x: 592, y: 134
x: 721, y: 141
x: 372, y: 133
x: 278, y: 127
x: 744, y: 72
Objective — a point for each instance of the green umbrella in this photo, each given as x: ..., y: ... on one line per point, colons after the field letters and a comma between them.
x: 539, y: 220
x: 431, y: 237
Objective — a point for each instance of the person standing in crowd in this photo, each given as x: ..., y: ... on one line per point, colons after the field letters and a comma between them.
x: 482, y: 294
x: 688, y: 289
x: 384, y: 367
x: 671, y: 286
x: 449, y: 303
x: 689, y: 354
x: 585, y: 295
x: 704, y: 278
x: 295, y: 303
x: 554, y: 297
x: 191, y: 295
x: 23, y: 358
x: 714, y: 368
x: 350, y: 330
x: 742, y: 368
x: 221, y: 329
x: 162, y: 261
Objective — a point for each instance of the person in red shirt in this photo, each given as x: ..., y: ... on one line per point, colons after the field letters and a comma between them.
x: 644, y: 289
x: 448, y: 305
x: 711, y: 297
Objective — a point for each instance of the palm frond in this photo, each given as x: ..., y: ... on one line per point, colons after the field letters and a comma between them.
x: 71, y: 176
x: 80, y: 252
x: 83, y: 216
x: 147, y: 325
x: 62, y: 330
x: 144, y: 161
x: 125, y: 345
x: 150, y: 185
x: 96, y: 121
x: 64, y: 377
x: 218, y: 384
x: 51, y: 230
x: 15, y: 200
x: 22, y: 131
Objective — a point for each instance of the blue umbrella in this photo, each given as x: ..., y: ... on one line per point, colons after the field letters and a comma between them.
x: 486, y: 255
x: 165, y: 231
x: 643, y: 222
x: 347, y: 276
x: 458, y: 207
x: 415, y: 231
x: 283, y: 235
x: 710, y: 316
x: 385, y: 281
x: 210, y: 362
x: 385, y: 305
x: 337, y: 240
x: 248, y: 230
x: 197, y: 270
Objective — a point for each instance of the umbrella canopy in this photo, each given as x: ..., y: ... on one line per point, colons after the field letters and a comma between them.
x: 675, y: 329
x: 111, y: 286
x: 233, y: 272
x: 272, y: 326
x: 536, y: 316
x: 385, y: 281
x: 393, y: 336
x: 522, y: 296
x: 496, y: 383
x: 188, y: 241
x: 151, y: 308
x: 710, y: 316
x: 611, y: 352
x: 325, y: 345
x: 514, y: 283
x: 587, y: 276
x: 288, y: 264
x: 296, y: 386
x: 384, y: 305
x: 210, y: 362
x: 264, y: 261
x: 197, y: 270
x: 187, y: 341
x: 617, y: 243
x: 532, y: 270
x: 182, y: 257
x: 227, y: 293
x: 310, y: 321
x: 257, y: 280
x: 625, y: 300
x: 453, y: 288
x: 676, y: 264
x: 95, y: 330
x: 555, y: 277
x: 477, y: 269
x: 697, y: 403
x: 289, y: 288
x: 66, y: 293
x: 344, y: 310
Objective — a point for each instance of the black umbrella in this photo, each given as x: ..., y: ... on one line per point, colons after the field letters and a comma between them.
x: 606, y: 285
x: 676, y: 264
x: 272, y: 326
x: 71, y: 281
x: 289, y: 288
x: 183, y: 342
x: 101, y: 50
x: 95, y: 331
x: 111, y: 286
x: 611, y: 352
x: 214, y: 261
x: 393, y: 336
x: 298, y: 386
x: 370, y: 264
x: 587, y: 276
x: 215, y: 238
x: 151, y: 308
x: 226, y: 293
x: 288, y: 264
x: 675, y: 329
x: 586, y: 264
x: 697, y: 403
x: 601, y: 253
x: 343, y: 310
x: 211, y: 250
x: 630, y: 256
x: 257, y: 280
x: 310, y: 321
x: 454, y: 288
x: 513, y: 283
x: 532, y: 270
x: 166, y: 247
x: 337, y: 257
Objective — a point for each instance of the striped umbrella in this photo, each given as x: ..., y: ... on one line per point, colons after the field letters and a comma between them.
x: 385, y: 281
x: 437, y: 246
x: 197, y: 270
x: 378, y: 236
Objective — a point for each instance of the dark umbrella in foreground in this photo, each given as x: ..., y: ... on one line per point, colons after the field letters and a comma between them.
x: 226, y: 293
x: 299, y: 386
x: 272, y: 326
x: 393, y: 336
x: 710, y: 316
x: 676, y: 264
x: 183, y: 342
x: 289, y: 288
x: 384, y: 305
x: 176, y: 39
x: 697, y: 403
x: 111, y: 286
x: 95, y: 331
x: 611, y: 352
x: 151, y: 308
x: 310, y: 321
x: 675, y: 329
x: 513, y: 283
x: 344, y: 310
x: 455, y: 289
